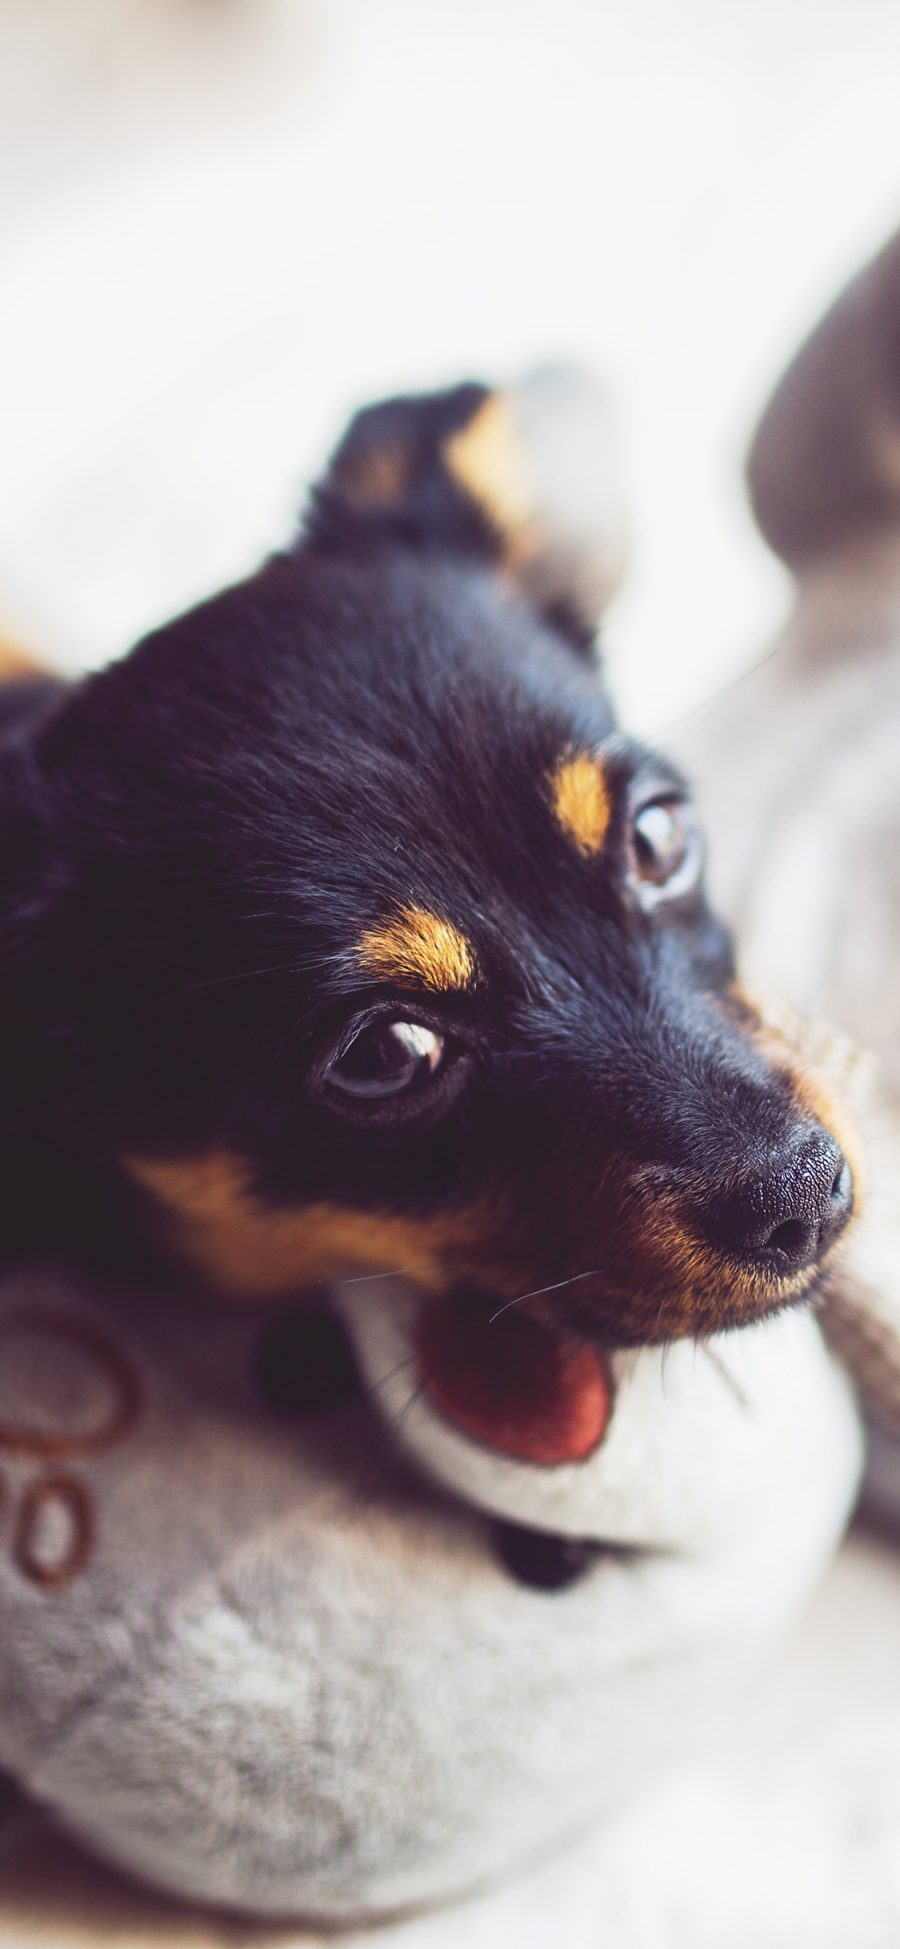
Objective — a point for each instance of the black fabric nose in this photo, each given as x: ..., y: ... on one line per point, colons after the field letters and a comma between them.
x: 786, y: 1216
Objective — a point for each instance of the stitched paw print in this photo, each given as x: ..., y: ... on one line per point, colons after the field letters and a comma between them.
x: 66, y: 1394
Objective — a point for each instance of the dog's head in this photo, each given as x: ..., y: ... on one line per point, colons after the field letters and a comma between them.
x: 345, y: 926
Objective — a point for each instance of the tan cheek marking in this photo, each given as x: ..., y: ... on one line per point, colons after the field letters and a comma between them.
x: 418, y: 947
x: 679, y: 1287
x: 486, y: 460
x: 581, y: 803
x: 15, y: 665
x: 657, y: 1279
x: 248, y: 1249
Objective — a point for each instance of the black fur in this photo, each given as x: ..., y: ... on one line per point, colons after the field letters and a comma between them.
x: 195, y: 839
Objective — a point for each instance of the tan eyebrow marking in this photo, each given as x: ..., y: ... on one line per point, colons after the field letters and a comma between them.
x: 487, y: 461
x: 417, y: 946
x: 581, y: 802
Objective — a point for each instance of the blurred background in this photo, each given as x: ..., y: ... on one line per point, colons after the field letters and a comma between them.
x: 225, y: 223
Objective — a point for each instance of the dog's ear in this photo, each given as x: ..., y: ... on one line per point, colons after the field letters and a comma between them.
x: 824, y: 466
x: 524, y: 479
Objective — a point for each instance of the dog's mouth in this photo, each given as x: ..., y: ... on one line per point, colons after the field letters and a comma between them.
x: 668, y: 1288
x: 516, y: 1384
x: 653, y: 1252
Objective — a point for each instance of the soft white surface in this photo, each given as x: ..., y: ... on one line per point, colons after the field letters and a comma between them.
x: 788, y: 1842
x: 697, y: 1452
x: 286, y: 1677
x: 224, y: 222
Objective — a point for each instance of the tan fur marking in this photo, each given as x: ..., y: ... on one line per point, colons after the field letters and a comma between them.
x: 15, y: 664
x: 581, y: 802
x: 247, y: 1248
x: 418, y: 947
x: 487, y: 461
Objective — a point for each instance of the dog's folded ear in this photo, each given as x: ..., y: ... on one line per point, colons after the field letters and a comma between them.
x: 824, y: 467
x: 524, y: 479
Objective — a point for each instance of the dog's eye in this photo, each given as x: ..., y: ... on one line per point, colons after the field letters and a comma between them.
x: 387, y: 1058
x: 666, y: 850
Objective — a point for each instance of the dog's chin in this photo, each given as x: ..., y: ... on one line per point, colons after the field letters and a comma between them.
x: 634, y: 1306
x: 615, y: 1323
x: 584, y: 1308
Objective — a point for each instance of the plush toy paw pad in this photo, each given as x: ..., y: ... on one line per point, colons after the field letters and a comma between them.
x: 511, y: 1383
x: 304, y: 1363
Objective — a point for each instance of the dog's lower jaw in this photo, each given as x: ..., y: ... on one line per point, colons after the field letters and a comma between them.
x: 581, y: 1306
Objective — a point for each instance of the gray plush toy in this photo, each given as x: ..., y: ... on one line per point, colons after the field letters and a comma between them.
x: 248, y: 1655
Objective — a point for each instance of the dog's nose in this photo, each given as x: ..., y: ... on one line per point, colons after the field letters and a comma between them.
x: 786, y: 1217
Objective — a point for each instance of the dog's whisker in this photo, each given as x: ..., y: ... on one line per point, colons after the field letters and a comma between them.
x: 375, y: 1386
x: 537, y: 1292
x: 394, y: 1422
x: 243, y: 974
x: 724, y: 1372
x: 398, y: 1272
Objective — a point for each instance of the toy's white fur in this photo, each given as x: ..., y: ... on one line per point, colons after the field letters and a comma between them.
x: 694, y: 1453
x: 292, y: 1679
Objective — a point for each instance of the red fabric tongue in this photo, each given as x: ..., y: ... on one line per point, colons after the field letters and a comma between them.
x: 514, y: 1385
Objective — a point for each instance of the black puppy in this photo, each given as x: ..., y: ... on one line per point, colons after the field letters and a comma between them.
x: 342, y: 930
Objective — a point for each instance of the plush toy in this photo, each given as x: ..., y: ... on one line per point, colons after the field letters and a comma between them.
x: 248, y: 1654
x: 300, y: 1632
